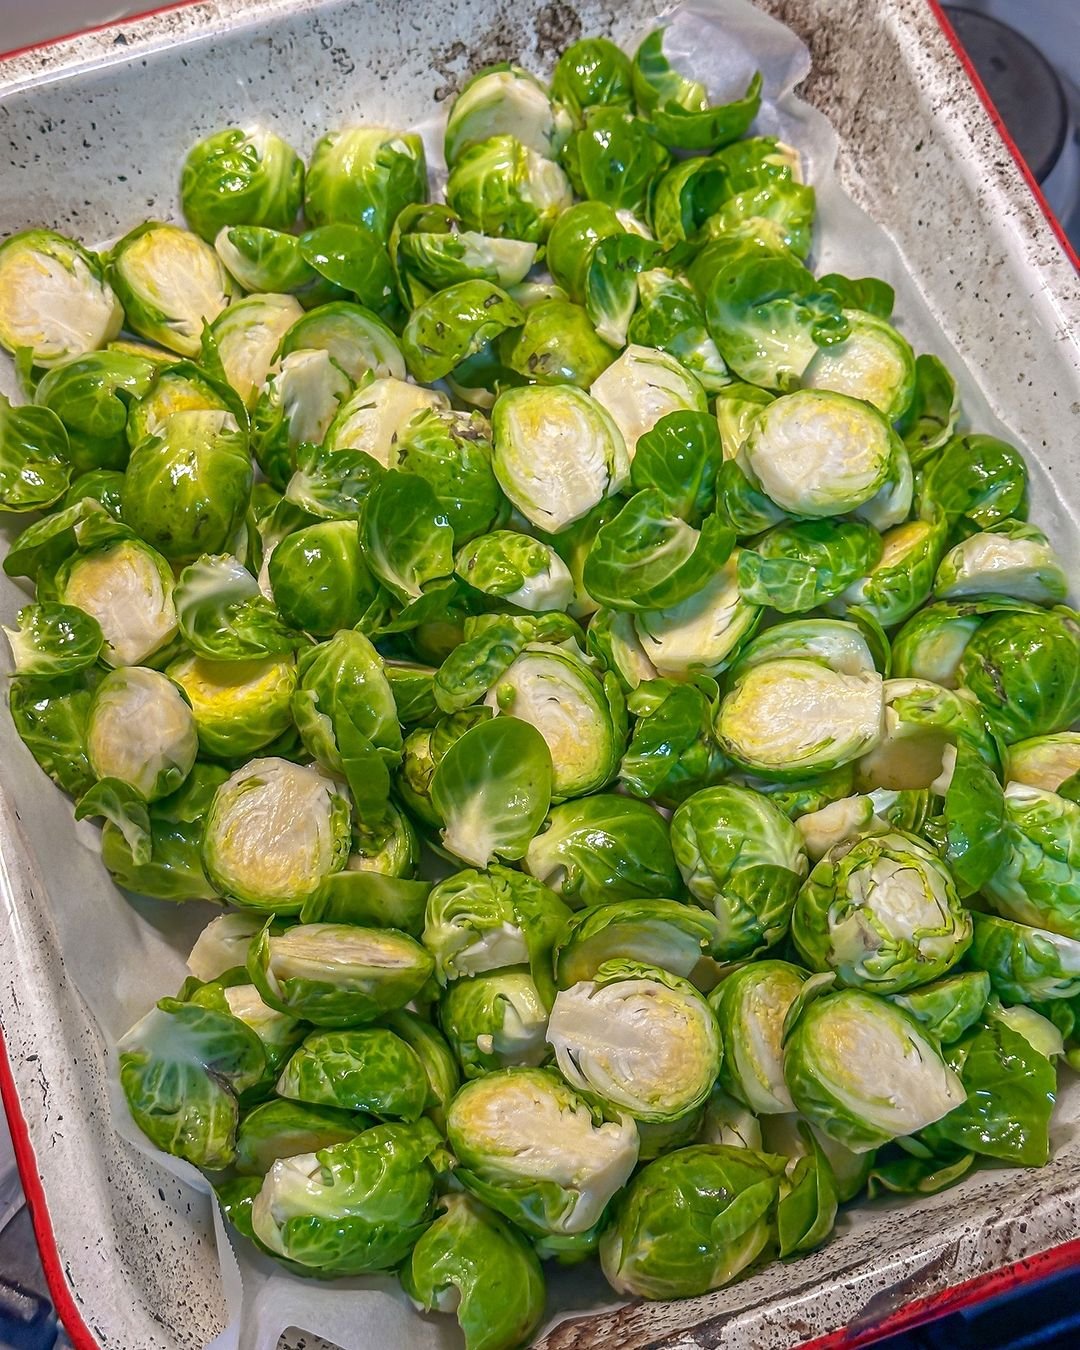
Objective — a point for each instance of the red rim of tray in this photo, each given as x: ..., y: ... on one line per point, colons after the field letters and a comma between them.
x: 979, y: 1289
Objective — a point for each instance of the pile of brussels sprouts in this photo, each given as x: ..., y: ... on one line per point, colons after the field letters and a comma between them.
x: 575, y: 536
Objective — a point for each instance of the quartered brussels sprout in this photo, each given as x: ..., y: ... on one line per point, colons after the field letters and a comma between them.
x: 505, y: 101
x: 864, y: 1072
x: 274, y: 831
x: 128, y: 588
x: 92, y: 395
x: 691, y: 1221
x: 558, y: 453
x: 474, y: 1265
x: 365, y: 174
x: 282, y: 1129
x: 55, y: 300
x: 503, y: 188
x: 787, y: 718
x: 590, y: 72
x: 1038, y: 883
x: 1044, y: 761
x: 882, y: 913
x: 751, y: 1005
x: 702, y: 634
x: 741, y: 857
x: 639, y: 1039
x: 1024, y: 964
x: 296, y: 406
x: 874, y: 363
x: 495, y: 1021
x: 140, y: 729
x: 518, y: 570
x: 1024, y: 668
x: 170, y: 283
x: 353, y: 1207
x: 642, y: 386
x: 241, y: 176
x: 528, y: 1146
x: 1013, y: 559
x: 247, y: 335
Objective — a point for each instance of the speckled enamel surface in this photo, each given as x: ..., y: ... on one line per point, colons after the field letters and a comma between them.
x: 91, y: 132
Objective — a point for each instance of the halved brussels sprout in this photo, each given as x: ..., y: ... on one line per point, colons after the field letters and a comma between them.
x: 247, y: 336
x: 128, y: 588
x: 503, y: 188
x: 531, y: 1148
x: 518, y: 570
x: 874, y: 363
x: 353, y: 1207
x: 751, y: 1005
x: 557, y: 453
x: 1024, y: 668
x: 495, y: 1021
x: 573, y: 238
x: 614, y: 157
x: 296, y: 406
x: 266, y: 261
x: 282, y: 1129
x: 362, y: 1069
x: 357, y: 340
x: 366, y: 174
x: 846, y: 646
x: 691, y: 1221
x: 274, y: 831
x: 863, y: 1071
x: 376, y: 415
x: 702, y: 634
x: 1026, y: 965
x: 790, y: 717
x: 337, y: 974
x: 883, y: 913
x: 54, y: 298
x: 1039, y: 881
x: 590, y: 72
x: 741, y: 857
x: 642, y: 386
x: 903, y: 576
x: 241, y: 176
x: 140, y: 729
x: 556, y: 344
x: 604, y: 848
x: 35, y: 458
x: 681, y: 939
x: 453, y: 324
x: 170, y: 283
x: 799, y: 566
x: 430, y: 251
x: 505, y: 101
x: 670, y: 317
x: 1012, y: 559
x: 180, y: 387
x: 92, y: 395
x: 1044, y: 761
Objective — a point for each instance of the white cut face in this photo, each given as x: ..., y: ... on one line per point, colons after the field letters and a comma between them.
x: 729, y: 1122
x: 905, y: 897
x: 292, y: 1188
x: 245, y: 1003
x: 337, y: 953
x: 377, y: 413
x: 176, y: 274
x: 652, y: 1050
x: 309, y: 387
x: 247, y: 336
x: 222, y: 944
x: 547, y: 188
x: 508, y: 259
x: 550, y: 588
x: 503, y: 103
x: 1024, y: 568
x: 938, y: 655
x: 702, y: 632
x: 832, y: 642
x: 834, y: 824
x: 910, y: 755
x: 139, y: 729
x: 758, y: 1049
x: 818, y: 454
x: 797, y: 715
x: 643, y: 385
x: 1044, y: 761
x: 521, y: 1039
x: 124, y: 590
x: 54, y: 304
x: 873, y: 364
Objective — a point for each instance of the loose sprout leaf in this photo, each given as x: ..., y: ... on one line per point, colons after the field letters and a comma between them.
x: 54, y: 639
x: 35, y: 466
x: 124, y: 807
x: 976, y: 840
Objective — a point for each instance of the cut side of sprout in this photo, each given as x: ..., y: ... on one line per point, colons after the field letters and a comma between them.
x: 643, y: 385
x: 376, y: 415
x: 703, y: 633
x: 124, y: 588
x: 309, y: 387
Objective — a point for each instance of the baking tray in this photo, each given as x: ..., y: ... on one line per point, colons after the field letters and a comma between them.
x: 91, y: 130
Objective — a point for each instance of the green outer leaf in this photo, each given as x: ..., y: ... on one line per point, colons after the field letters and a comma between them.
x: 977, y: 841
x: 365, y: 1069
x: 353, y: 257
x: 409, y: 542
x: 35, y: 466
x: 50, y: 716
x: 126, y: 808
x: 808, y: 1200
x: 54, y: 639
x: 453, y: 324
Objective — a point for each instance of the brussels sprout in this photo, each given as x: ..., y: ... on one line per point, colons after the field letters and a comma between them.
x: 531, y: 1148
x: 363, y: 1069
x: 296, y: 405
x: 611, y: 288
x: 336, y: 974
x: 604, y: 848
x: 681, y: 939
x: 222, y: 945
x: 728, y: 1122
x: 92, y: 396
x: 557, y: 453
x: 140, y: 729
x: 799, y: 566
x: 742, y: 858
x: 35, y: 458
x: 738, y: 406
x: 247, y: 335
x: 181, y: 1069
x: 278, y: 1033
x: 922, y: 721
x: 1024, y: 668
x: 932, y: 414
x: 319, y: 579
x: 365, y: 174
x: 672, y: 750
x: 423, y: 750
x: 783, y: 204
x: 751, y: 1005
x: 1011, y: 559
x: 241, y: 176
x: 274, y: 831
x: 843, y: 646
x: 862, y: 1070
x: 495, y: 1021
x: 903, y: 577
x: 882, y: 913
x: 223, y: 616
x: 518, y: 570
x: 413, y: 687
x: 692, y: 1221
x: 354, y: 1207
x: 327, y: 485
x: 643, y: 386
x: 1039, y: 881
x: 784, y: 718
x: 680, y: 457
x: 358, y: 895
x: 440, y: 1066
x: 679, y: 107
x: 687, y: 197
x: 181, y: 387
x: 573, y: 238
x: 453, y: 324
x: 282, y: 1129
x: 55, y: 301
x: 557, y: 344
x: 873, y: 363
x: 128, y: 588
x: 614, y: 157
x: 670, y: 317
x: 590, y: 72
x: 357, y: 340
x: 1044, y: 761
x: 49, y: 715
x: 390, y: 847
x: 471, y: 1263
x: 1024, y: 964
x: 377, y: 413
x: 103, y: 486
x: 54, y: 639
x: 430, y: 251
x: 264, y: 261
x: 700, y: 634
x: 505, y: 101
x: 977, y: 481
x: 503, y: 188
x: 350, y: 258
x: 170, y: 283
x: 950, y: 1006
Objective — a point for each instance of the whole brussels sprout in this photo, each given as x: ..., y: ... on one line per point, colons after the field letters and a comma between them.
x: 701, y: 634
x: 590, y: 72
x: 503, y: 188
x: 92, y: 395
x: 604, y: 848
x: 128, y: 588
x: 751, y: 1005
x: 874, y: 363
x: 170, y: 283
x: 282, y: 1129
x: 639, y: 1039
x: 505, y: 101
x: 365, y: 174
x: 354, y: 1207
x: 681, y: 939
x: 54, y: 298
x: 882, y: 913
x: 531, y: 1148
x: 1026, y: 965
x: 274, y: 831
x: 642, y: 386
x: 1024, y: 668
x: 247, y: 335
x: 140, y: 729
x: 319, y: 579
x: 741, y: 857
x: 517, y: 569
x: 360, y: 1069
x: 1012, y: 558
x: 495, y: 1021
x: 241, y: 176
x: 1038, y: 883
